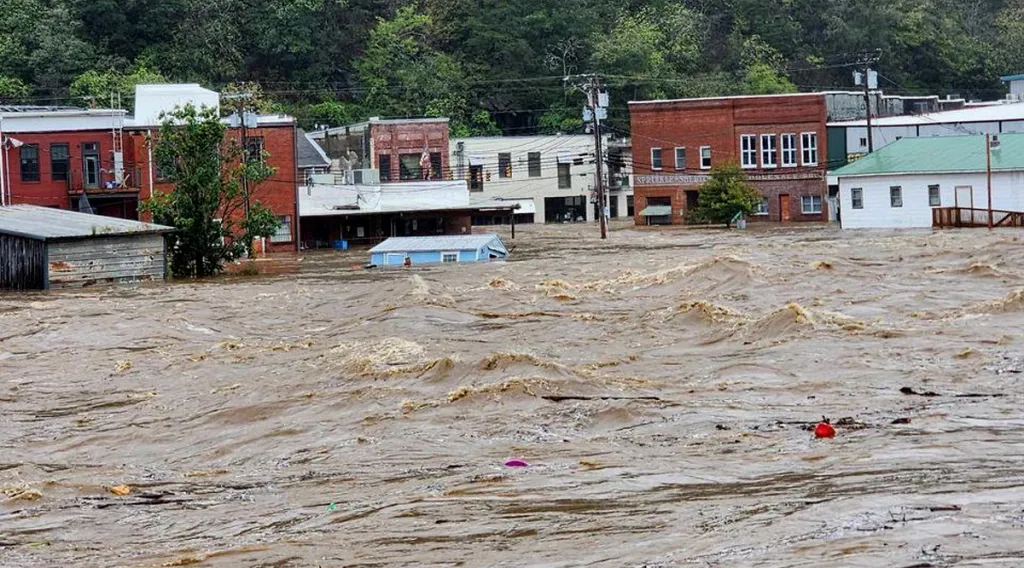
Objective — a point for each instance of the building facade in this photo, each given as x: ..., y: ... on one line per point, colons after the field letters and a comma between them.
x: 401, y: 150
x: 71, y: 158
x: 778, y: 140
x: 551, y: 178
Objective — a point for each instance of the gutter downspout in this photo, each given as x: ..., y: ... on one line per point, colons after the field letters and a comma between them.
x: 149, y: 158
x: 3, y: 168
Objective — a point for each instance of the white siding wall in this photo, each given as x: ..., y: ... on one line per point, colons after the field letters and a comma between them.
x: 1007, y: 194
x: 885, y: 135
x: 521, y: 186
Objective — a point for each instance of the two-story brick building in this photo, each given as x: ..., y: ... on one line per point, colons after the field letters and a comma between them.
x: 55, y: 155
x: 407, y: 149
x: 779, y: 140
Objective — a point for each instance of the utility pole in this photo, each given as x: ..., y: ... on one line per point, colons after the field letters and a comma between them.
x: 593, y: 95
x: 989, y: 143
x: 241, y: 110
x: 866, y: 61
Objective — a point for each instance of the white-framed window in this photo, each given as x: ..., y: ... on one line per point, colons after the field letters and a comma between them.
x: 863, y: 142
x: 934, y: 196
x: 809, y: 144
x: 789, y: 150
x: 655, y: 158
x: 748, y: 151
x: 447, y: 257
x: 857, y: 198
x: 810, y: 204
x: 896, y: 196
x: 769, y: 154
x: 705, y: 157
x: 284, y: 230
x: 680, y: 158
x: 762, y: 208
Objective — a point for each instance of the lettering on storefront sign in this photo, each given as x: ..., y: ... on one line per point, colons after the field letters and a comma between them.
x: 684, y: 179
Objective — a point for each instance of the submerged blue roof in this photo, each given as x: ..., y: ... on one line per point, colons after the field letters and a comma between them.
x: 440, y: 243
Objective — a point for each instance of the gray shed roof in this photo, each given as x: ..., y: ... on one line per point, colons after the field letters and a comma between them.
x: 309, y: 153
x: 442, y: 243
x: 46, y: 224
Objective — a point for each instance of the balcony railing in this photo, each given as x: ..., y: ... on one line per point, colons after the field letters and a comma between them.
x: 105, y: 181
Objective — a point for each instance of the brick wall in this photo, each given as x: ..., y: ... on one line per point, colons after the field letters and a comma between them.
x: 394, y: 139
x: 719, y: 123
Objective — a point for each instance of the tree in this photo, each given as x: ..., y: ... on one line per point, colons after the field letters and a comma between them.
x: 206, y: 205
x: 95, y: 87
x: 726, y: 194
x: 12, y: 90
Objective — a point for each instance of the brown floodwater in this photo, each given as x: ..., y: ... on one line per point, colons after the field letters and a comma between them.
x: 662, y: 386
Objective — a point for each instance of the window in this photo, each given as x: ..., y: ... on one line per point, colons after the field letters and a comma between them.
x: 655, y: 158
x: 810, y: 146
x: 409, y: 166
x: 505, y: 165
x: 533, y: 164
x: 705, y: 157
x: 436, y: 166
x: 934, y: 196
x: 60, y: 161
x: 476, y: 178
x: 789, y: 150
x: 863, y: 142
x: 896, y: 196
x: 384, y: 163
x: 857, y: 198
x: 447, y: 257
x: 284, y: 231
x: 769, y: 156
x: 680, y: 158
x: 254, y: 149
x: 564, y: 176
x: 29, y: 162
x: 810, y: 204
x: 762, y: 208
x: 630, y: 206
x: 748, y: 151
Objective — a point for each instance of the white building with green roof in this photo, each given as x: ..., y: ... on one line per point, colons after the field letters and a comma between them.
x: 900, y: 185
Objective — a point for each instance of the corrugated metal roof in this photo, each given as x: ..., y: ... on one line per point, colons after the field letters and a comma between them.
x: 1018, y: 77
x: 990, y: 113
x: 939, y: 154
x: 439, y: 243
x: 45, y: 224
x: 309, y: 153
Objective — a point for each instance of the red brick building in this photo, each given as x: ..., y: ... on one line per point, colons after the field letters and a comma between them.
x: 779, y: 140
x: 395, y: 147
x: 54, y: 155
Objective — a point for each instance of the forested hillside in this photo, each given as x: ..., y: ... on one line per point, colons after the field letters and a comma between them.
x: 493, y: 64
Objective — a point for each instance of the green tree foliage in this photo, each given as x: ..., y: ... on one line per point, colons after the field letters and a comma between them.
x: 94, y: 87
x: 207, y: 205
x: 13, y: 90
x: 726, y: 194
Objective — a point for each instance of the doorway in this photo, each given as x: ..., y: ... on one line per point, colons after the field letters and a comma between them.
x: 785, y: 215
x: 963, y: 196
x: 91, y: 164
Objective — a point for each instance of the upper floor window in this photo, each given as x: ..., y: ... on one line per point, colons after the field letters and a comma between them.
x: 748, y: 151
x: 505, y: 165
x: 60, y: 161
x: 655, y: 158
x: 769, y: 157
x: 409, y: 166
x: 680, y: 158
x: 788, y: 150
x: 254, y: 149
x: 533, y: 164
x: 29, y: 154
x: 705, y: 157
x: 564, y: 175
x: 384, y: 165
x: 809, y: 143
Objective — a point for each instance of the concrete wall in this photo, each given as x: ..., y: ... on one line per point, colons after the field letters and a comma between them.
x: 520, y: 185
x: 89, y: 261
x: 916, y: 211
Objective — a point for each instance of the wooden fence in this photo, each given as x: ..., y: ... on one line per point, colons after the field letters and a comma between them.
x: 946, y: 217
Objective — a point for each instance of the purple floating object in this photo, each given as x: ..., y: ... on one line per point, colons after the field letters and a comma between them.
x: 516, y: 463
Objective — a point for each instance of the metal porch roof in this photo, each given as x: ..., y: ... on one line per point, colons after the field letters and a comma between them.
x: 939, y: 154
x: 45, y: 224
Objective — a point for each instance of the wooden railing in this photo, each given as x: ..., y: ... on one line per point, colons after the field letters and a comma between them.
x: 945, y: 217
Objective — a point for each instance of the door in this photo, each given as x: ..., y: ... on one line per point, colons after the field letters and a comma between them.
x: 964, y: 196
x: 91, y: 165
x: 784, y: 214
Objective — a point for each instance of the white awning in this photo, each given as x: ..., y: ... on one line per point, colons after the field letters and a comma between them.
x: 476, y: 160
x: 564, y: 158
x: 526, y: 206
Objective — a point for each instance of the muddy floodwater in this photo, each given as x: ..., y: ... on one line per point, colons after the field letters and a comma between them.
x: 662, y: 386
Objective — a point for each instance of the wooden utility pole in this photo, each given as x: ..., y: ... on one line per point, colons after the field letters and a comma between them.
x: 594, y: 90
x: 988, y: 171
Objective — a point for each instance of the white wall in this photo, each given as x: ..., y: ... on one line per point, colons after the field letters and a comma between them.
x: 521, y: 186
x: 1007, y: 194
x: 320, y: 200
x: 885, y: 135
x: 60, y: 121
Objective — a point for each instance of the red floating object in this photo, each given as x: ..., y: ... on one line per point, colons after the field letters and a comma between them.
x: 824, y: 430
x: 516, y: 463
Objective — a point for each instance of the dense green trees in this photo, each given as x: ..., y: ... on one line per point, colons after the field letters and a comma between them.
x: 499, y: 63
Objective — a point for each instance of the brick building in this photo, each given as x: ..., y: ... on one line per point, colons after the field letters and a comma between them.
x: 779, y: 140
x: 55, y: 155
x: 394, y: 147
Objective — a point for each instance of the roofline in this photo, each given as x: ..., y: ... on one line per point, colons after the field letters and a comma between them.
x: 377, y: 120
x: 317, y: 147
x: 1017, y: 77
x: 919, y: 172
x: 361, y: 212
x: 80, y: 237
x: 65, y: 113
x: 729, y: 98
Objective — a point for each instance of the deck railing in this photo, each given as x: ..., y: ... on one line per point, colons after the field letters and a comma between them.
x: 946, y: 217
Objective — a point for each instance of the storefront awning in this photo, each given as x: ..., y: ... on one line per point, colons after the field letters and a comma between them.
x: 657, y: 211
x: 564, y: 158
x: 476, y: 160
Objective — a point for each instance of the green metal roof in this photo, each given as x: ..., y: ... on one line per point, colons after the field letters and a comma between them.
x: 939, y: 154
x: 1017, y: 77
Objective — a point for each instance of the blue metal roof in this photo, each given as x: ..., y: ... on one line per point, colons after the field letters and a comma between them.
x: 440, y: 243
x: 1018, y: 77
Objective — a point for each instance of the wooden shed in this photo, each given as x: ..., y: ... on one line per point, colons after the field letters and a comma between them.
x: 43, y: 248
